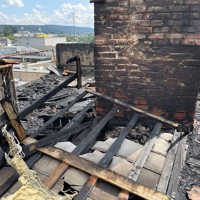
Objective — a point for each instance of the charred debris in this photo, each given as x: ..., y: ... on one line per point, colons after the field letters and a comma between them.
x: 57, y: 119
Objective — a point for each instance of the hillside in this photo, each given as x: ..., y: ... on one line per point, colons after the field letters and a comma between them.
x: 53, y: 29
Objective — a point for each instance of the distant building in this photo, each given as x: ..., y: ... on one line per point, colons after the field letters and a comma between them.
x: 23, y: 34
x: 39, y: 42
x: 7, y: 50
x: 4, y: 41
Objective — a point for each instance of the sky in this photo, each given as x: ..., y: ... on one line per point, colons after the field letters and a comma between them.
x: 41, y: 12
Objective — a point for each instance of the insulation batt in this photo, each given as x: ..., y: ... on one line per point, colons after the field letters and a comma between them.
x: 32, y: 188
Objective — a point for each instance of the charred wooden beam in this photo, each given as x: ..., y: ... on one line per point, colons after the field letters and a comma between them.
x: 168, y: 166
x: 139, y: 164
x: 62, y: 112
x: 78, y: 69
x: 1, y: 157
x: 97, y: 1
x: 13, y: 179
x: 40, y: 101
x: 126, y: 105
x: 105, y: 161
x: 104, y: 174
x: 69, y: 129
x: 12, y: 116
x: 94, y: 133
x: 92, y: 136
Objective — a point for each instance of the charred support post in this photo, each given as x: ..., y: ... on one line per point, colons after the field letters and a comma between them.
x: 50, y: 182
x: 38, y: 102
x: 78, y: 69
x: 105, y: 161
x: 62, y: 112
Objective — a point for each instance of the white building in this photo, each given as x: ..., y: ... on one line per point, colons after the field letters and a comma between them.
x: 39, y: 42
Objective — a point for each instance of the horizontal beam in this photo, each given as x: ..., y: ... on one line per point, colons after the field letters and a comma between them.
x: 97, y: 1
x: 38, y: 102
x: 106, y: 175
x: 159, y: 118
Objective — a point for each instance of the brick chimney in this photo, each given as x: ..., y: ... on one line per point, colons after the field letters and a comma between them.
x: 147, y: 54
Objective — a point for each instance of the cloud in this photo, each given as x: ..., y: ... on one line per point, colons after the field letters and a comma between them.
x: 66, y: 14
x: 35, y: 17
x: 18, y: 3
x: 3, y: 17
x: 38, y: 6
x: 79, y: 14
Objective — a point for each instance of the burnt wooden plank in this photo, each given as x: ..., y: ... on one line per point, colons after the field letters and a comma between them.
x: 21, y: 134
x: 62, y: 112
x: 94, y: 133
x: 92, y: 136
x: 40, y: 101
x: 134, y: 174
x: 168, y: 166
x: 116, y: 101
x: 1, y: 157
x: 172, y: 190
x: 67, y: 131
x: 105, y: 161
x: 139, y: 164
x: 104, y: 174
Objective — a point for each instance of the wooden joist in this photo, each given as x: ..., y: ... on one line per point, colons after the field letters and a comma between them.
x: 174, y: 182
x: 62, y: 112
x: 94, y: 170
x: 90, y: 139
x: 126, y: 105
x: 168, y: 166
x: 106, y: 160
x: 139, y: 164
x: 8, y: 108
x: 73, y: 127
x: 38, y: 102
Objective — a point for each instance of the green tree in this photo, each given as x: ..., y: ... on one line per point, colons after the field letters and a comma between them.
x: 9, y: 30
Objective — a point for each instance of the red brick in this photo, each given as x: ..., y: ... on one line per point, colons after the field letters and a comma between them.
x: 156, y: 36
x: 175, y: 36
x: 180, y: 115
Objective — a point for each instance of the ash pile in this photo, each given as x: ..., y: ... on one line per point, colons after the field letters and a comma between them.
x: 32, y: 91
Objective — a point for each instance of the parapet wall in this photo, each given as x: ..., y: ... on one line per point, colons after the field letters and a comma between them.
x: 68, y: 50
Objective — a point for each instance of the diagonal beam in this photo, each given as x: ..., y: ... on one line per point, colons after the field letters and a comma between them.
x: 40, y: 101
x: 62, y: 112
x: 105, y: 161
x: 104, y: 174
x: 139, y: 164
x: 94, y: 133
x: 126, y: 105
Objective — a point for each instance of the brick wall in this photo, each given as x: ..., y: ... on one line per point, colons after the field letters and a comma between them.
x: 147, y: 53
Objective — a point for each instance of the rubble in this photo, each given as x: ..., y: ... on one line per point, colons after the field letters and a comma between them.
x: 68, y: 130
